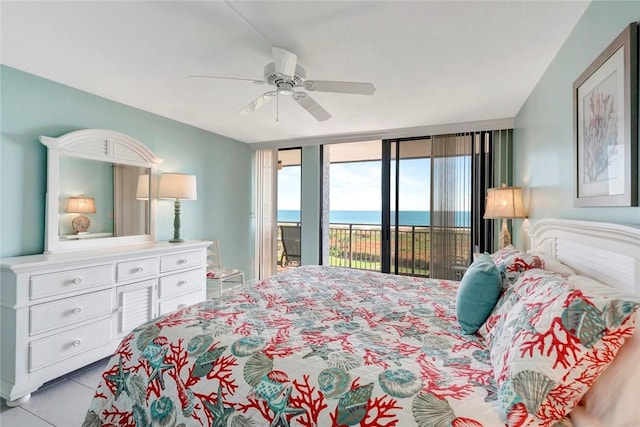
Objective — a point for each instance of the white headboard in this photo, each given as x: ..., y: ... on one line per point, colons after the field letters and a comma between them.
x: 607, y: 252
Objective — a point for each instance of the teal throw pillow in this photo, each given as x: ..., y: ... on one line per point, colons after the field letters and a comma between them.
x: 480, y: 288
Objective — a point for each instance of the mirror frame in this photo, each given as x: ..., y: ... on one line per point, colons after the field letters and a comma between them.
x: 93, y: 144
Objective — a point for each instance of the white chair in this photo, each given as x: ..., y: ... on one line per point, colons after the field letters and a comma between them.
x: 217, y: 274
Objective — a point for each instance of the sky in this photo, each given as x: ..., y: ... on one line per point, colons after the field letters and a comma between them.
x: 357, y: 186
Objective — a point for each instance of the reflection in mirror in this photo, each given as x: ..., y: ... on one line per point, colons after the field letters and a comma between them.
x: 131, y: 212
x: 113, y: 188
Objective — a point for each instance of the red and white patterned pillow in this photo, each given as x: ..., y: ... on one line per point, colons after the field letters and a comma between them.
x: 511, y: 263
x: 554, y: 341
x: 501, y: 255
x: 506, y: 301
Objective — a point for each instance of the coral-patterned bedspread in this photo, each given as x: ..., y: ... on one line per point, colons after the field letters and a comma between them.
x: 314, y: 346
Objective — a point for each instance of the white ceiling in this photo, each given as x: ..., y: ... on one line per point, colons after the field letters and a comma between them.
x: 432, y: 62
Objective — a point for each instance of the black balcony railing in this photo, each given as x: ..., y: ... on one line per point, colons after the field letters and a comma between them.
x: 359, y: 246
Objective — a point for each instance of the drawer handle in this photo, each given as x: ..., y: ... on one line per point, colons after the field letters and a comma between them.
x: 77, y: 310
x: 77, y: 280
x: 77, y: 343
x: 182, y: 261
x: 139, y: 269
x: 182, y: 282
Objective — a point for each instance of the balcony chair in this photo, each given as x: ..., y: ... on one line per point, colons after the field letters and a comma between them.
x: 290, y: 244
x: 217, y: 274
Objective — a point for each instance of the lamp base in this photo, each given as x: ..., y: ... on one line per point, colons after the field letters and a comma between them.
x: 176, y: 222
x: 504, y: 238
x: 81, y: 224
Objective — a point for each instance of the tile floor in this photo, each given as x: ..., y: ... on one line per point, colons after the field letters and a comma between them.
x: 62, y: 402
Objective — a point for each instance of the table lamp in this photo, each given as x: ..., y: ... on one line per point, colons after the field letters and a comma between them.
x: 504, y: 203
x: 177, y: 186
x: 81, y: 205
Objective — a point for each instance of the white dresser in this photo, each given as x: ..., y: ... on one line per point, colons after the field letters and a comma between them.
x: 65, y: 310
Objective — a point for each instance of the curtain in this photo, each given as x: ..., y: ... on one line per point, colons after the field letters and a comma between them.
x: 490, y: 155
x: 325, y: 180
x: 265, y: 197
x: 129, y: 214
x: 450, y: 188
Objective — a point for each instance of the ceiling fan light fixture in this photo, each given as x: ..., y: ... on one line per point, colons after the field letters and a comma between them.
x: 285, y: 88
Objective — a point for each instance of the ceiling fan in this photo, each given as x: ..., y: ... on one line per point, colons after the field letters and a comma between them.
x: 287, y: 75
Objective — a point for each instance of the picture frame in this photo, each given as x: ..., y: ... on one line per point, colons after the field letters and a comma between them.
x: 605, y: 101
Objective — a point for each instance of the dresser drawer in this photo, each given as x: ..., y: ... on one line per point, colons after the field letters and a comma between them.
x: 181, y: 282
x: 52, y: 315
x: 44, y: 285
x: 137, y: 269
x: 181, y: 301
x: 182, y: 260
x: 61, y: 346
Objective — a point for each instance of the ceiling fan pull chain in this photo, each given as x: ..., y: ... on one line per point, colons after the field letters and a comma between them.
x: 277, y: 104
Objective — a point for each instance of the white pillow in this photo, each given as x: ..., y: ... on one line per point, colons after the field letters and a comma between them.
x: 553, y: 264
x: 614, y: 398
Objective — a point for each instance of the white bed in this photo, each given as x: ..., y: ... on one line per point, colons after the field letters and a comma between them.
x: 607, y: 252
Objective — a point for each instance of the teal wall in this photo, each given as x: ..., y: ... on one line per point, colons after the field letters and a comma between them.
x: 32, y: 106
x: 543, y: 149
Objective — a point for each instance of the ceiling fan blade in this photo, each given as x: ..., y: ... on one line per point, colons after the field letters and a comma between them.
x: 311, y: 106
x: 357, y: 88
x: 284, y: 61
x: 194, y: 76
x: 258, y: 102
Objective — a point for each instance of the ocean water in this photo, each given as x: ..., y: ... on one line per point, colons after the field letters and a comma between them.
x: 417, y: 218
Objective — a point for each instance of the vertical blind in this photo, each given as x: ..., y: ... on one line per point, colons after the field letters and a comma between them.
x: 465, y: 164
x: 265, y: 199
x: 450, y: 190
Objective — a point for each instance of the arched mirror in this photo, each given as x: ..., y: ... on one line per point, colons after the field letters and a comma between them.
x: 100, y: 190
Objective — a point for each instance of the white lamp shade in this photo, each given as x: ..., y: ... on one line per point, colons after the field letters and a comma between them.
x: 504, y: 202
x: 177, y: 186
x: 81, y: 205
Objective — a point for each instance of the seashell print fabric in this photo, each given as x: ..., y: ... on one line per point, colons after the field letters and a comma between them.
x: 314, y: 346
x: 553, y: 342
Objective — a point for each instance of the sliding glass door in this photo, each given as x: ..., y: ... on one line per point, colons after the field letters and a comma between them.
x: 400, y: 206
x: 406, y: 215
x: 379, y: 202
x: 352, y: 195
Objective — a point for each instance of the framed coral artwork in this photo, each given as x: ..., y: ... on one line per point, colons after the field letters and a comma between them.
x: 606, y: 126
